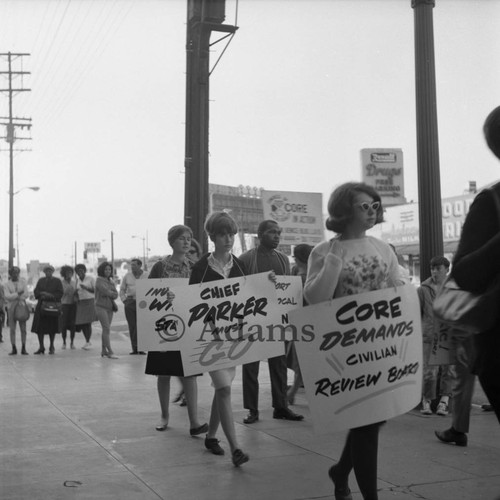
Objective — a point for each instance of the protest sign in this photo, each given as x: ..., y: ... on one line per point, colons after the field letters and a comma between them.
x: 217, y: 324
x: 289, y: 297
x: 151, y: 295
x: 361, y: 357
x: 442, y: 348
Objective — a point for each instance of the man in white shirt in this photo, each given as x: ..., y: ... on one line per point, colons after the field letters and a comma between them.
x: 128, y: 297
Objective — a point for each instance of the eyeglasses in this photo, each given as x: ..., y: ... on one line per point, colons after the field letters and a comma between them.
x: 365, y: 206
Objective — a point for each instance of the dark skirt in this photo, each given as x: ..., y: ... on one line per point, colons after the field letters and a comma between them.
x: 85, y: 312
x: 43, y: 324
x: 164, y: 363
x: 68, y: 315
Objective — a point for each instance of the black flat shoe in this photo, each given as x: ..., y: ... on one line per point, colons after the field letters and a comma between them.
x: 340, y: 493
x: 252, y: 417
x: 452, y: 436
x: 239, y: 458
x: 40, y: 351
x: 287, y: 414
x: 212, y: 444
x: 202, y: 429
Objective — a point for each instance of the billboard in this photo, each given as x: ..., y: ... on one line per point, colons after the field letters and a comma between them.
x: 298, y: 214
x: 383, y: 170
x: 92, y: 247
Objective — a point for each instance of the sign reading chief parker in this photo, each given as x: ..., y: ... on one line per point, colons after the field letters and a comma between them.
x: 217, y: 324
x: 363, y: 362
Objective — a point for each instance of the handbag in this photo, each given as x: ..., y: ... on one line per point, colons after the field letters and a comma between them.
x: 467, y: 311
x: 50, y: 308
x: 115, y: 306
x: 21, y: 311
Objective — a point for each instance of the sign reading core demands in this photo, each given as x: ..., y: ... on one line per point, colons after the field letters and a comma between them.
x: 363, y: 364
x: 217, y: 324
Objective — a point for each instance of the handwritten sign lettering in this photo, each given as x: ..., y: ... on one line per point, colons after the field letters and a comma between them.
x: 217, y: 324
x: 362, y: 362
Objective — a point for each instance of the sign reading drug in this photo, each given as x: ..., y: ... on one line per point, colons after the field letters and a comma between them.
x: 363, y: 363
x: 217, y: 324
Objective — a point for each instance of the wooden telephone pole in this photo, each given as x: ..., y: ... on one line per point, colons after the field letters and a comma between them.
x: 11, y: 123
x: 203, y: 17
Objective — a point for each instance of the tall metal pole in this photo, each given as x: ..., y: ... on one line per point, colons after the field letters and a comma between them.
x: 203, y: 17
x: 197, y: 119
x: 429, y: 183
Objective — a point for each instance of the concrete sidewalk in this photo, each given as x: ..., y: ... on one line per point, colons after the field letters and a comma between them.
x: 77, y: 426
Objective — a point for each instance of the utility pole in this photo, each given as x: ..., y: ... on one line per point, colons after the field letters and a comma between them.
x: 11, y: 123
x: 203, y: 17
x: 429, y: 182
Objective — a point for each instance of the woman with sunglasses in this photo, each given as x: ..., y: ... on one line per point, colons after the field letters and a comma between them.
x: 348, y: 264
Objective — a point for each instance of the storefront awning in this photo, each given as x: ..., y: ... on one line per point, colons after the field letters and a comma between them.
x: 414, y: 249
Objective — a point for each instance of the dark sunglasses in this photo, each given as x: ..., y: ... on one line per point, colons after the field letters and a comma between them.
x: 365, y: 206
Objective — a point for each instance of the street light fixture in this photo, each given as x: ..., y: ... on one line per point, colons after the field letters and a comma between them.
x: 12, y: 193
x: 145, y: 249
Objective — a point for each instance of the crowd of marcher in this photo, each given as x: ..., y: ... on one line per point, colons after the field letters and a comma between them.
x: 350, y: 263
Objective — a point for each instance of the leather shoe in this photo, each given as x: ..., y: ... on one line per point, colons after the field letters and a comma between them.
x: 286, y: 414
x: 452, y: 436
x: 195, y: 431
x: 252, y: 417
x: 341, y: 493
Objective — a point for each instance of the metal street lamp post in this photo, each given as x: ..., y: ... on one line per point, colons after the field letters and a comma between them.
x: 145, y: 249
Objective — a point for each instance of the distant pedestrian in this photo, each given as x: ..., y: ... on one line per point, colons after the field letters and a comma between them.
x: 265, y: 257
x: 167, y: 364
x: 2, y: 309
x: 48, y: 291
x: 15, y: 290
x: 432, y: 328
x: 85, y: 303
x: 348, y: 264
x: 194, y: 252
x: 301, y: 255
x: 128, y: 297
x: 462, y: 391
x: 68, y: 306
x: 105, y: 306
x: 476, y: 267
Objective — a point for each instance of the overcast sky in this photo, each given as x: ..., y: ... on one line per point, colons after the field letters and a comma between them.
x: 302, y: 88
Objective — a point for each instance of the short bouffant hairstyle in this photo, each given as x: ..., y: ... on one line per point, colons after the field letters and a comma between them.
x: 102, y: 267
x: 341, y: 205
x: 81, y: 267
x: 301, y: 252
x: 220, y: 223
x: 66, y: 271
x: 491, y: 129
x: 177, y: 231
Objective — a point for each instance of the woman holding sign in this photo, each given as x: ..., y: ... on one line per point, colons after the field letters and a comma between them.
x: 166, y: 364
x: 348, y: 264
x: 221, y: 264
